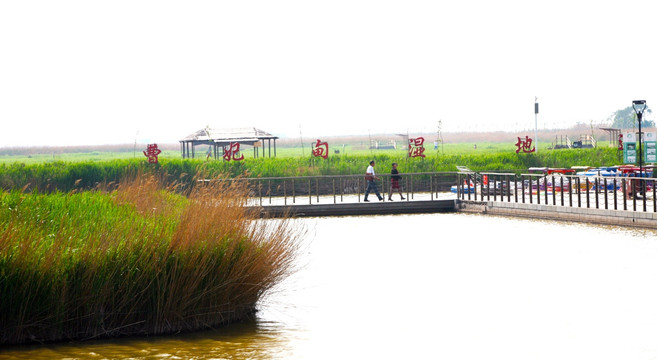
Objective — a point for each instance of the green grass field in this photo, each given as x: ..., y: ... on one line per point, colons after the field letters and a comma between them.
x: 281, y: 152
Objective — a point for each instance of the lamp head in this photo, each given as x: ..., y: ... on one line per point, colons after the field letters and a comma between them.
x: 639, y: 106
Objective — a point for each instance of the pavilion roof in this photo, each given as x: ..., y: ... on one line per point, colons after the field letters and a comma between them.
x: 209, y: 134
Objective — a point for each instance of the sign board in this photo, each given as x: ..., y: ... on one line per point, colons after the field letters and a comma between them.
x: 629, y: 148
x: 648, y: 147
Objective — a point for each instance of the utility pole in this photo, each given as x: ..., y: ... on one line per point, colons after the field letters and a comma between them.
x: 536, y: 123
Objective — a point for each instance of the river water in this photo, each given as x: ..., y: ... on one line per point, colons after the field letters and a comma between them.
x: 440, y: 286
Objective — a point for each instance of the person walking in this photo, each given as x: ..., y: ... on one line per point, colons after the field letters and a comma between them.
x: 370, y: 177
x: 394, y: 182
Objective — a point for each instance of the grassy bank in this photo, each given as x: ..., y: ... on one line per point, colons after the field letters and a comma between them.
x: 141, y: 259
x: 67, y: 176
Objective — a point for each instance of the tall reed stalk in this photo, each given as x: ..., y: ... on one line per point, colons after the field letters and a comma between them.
x: 140, y: 259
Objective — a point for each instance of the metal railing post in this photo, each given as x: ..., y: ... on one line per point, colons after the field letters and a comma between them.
x: 412, y: 190
x: 654, y: 201
x: 570, y: 191
x: 474, y: 186
x: 554, y: 191
x: 633, y: 186
x: 623, y: 184
x: 579, y: 193
x: 341, y: 190
x: 642, y: 182
x: 615, y: 195
x: 334, y: 201
x: 561, y: 188
x: 431, y: 186
x: 606, y: 195
x: 597, y: 189
x: 588, y: 202
x: 408, y: 198
x: 358, y: 187
x: 487, y: 187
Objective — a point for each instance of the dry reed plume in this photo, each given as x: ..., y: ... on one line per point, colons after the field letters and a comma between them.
x: 142, y: 259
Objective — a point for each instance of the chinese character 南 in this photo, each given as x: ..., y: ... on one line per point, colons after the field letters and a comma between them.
x: 416, y: 147
x: 525, y: 145
x: 152, y: 152
x: 320, y: 149
x: 231, y: 152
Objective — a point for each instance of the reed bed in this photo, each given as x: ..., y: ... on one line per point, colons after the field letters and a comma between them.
x: 68, y: 176
x: 141, y: 259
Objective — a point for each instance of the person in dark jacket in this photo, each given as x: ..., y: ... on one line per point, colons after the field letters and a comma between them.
x: 394, y: 182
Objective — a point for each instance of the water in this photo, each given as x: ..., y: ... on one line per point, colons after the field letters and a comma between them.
x: 450, y: 286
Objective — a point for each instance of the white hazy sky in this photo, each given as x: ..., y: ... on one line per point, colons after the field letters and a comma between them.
x: 110, y: 72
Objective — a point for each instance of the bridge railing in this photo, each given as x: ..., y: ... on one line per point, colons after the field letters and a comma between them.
x: 344, y: 188
x: 600, y: 192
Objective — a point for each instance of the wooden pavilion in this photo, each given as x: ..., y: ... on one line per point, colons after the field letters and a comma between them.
x: 614, y: 135
x: 217, y: 139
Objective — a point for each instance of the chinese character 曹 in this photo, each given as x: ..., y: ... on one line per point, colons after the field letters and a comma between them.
x: 152, y: 152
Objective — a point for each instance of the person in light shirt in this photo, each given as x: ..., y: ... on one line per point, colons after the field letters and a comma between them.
x: 371, y: 178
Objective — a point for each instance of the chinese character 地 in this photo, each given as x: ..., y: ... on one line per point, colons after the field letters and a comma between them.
x: 525, y: 145
x: 231, y: 152
x: 152, y: 152
x: 416, y: 147
x: 320, y: 149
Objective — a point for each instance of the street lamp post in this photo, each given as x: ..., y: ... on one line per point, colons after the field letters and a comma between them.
x: 639, y: 107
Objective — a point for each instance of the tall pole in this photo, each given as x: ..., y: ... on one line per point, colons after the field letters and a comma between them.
x: 300, y: 138
x: 639, y: 115
x: 536, y: 123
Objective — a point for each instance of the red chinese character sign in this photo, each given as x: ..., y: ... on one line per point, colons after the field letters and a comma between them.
x: 320, y: 149
x: 416, y: 147
x: 525, y: 145
x: 232, y: 151
x: 620, y: 141
x: 152, y: 152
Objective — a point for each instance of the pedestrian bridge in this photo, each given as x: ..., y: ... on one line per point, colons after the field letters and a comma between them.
x: 591, y: 199
x: 342, y: 195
